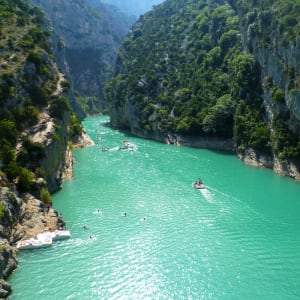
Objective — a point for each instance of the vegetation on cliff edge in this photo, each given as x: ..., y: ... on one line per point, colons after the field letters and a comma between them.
x: 182, y: 69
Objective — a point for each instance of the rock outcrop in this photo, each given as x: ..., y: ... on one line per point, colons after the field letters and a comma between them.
x: 287, y: 168
x: 82, y: 140
x: 21, y: 217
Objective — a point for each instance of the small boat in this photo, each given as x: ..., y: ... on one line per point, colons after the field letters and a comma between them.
x: 129, y: 146
x: 34, y: 243
x: 54, y: 235
x: 198, y: 185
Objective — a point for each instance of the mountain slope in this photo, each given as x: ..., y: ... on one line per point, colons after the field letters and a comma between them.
x: 213, y: 69
x: 133, y: 7
x: 35, y: 123
x: 91, y: 34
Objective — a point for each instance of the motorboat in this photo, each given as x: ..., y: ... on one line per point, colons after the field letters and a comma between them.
x: 33, y: 243
x: 129, y: 146
x: 54, y: 235
x: 198, y: 185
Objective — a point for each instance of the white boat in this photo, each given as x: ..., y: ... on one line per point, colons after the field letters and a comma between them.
x: 34, y: 243
x: 130, y: 146
x: 54, y: 235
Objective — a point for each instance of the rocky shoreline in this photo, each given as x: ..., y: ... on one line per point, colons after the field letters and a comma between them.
x: 24, y: 216
x: 249, y: 156
x: 286, y: 168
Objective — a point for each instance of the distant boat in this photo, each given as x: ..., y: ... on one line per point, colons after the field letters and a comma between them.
x: 33, y: 243
x: 129, y: 146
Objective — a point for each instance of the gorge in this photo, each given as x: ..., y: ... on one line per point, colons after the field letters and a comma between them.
x: 213, y: 74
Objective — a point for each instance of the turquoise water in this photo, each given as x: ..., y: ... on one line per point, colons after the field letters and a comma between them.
x: 237, y: 239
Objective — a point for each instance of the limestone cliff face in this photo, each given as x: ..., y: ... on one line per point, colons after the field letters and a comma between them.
x: 279, y: 60
x: 278, y: 56
x: 91, y: 35
x: 53, y: 134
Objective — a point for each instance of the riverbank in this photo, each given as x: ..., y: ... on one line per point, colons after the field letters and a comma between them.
x: 286, y: 168
x: 24, y: 216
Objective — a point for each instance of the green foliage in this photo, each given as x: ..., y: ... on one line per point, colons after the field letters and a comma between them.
x: 25, y: 181
x: 2, y: 210
x: 8, y: 132
x: 90, y: 105
x: 59, y: 106
x: 75, y: 127
x: 220, y: 114
x: 30, y: 152
x: 28, y: 81
x: 250, y: 130
x: 286, y: 144
x: 12, y: 170
x: 7, y: 151
x: 38, y: 96
x: 278, y: 95
x: 245, y: 70
x: 177, y: 60
x: 45, y: 196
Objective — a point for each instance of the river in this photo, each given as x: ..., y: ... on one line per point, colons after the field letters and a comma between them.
x: 237, y: 239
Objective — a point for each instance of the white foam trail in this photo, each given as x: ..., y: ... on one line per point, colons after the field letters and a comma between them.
x: 207, y: 195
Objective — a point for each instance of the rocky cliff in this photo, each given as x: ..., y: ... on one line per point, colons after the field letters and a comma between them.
x: 268, y: 33
x: 21, y: 217
x: 35, y: 121
x: 91, y: 34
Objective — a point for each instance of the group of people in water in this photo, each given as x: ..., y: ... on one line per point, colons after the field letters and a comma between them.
x: 124, y: 215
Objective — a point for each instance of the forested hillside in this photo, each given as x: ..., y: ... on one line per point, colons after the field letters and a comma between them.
x: 33, y: 98
x: 224, y: 69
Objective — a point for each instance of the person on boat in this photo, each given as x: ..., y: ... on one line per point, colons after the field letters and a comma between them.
x: 125, y: 214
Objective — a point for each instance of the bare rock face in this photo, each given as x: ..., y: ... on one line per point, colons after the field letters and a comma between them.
x: 53, y: 134
x: 82, y: 140
x: 35, y: 218
x: 20, y: 218
x: 287, y: 168
x: 5, y: 289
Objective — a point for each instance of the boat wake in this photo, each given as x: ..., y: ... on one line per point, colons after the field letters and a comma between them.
x: 207, y: 194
